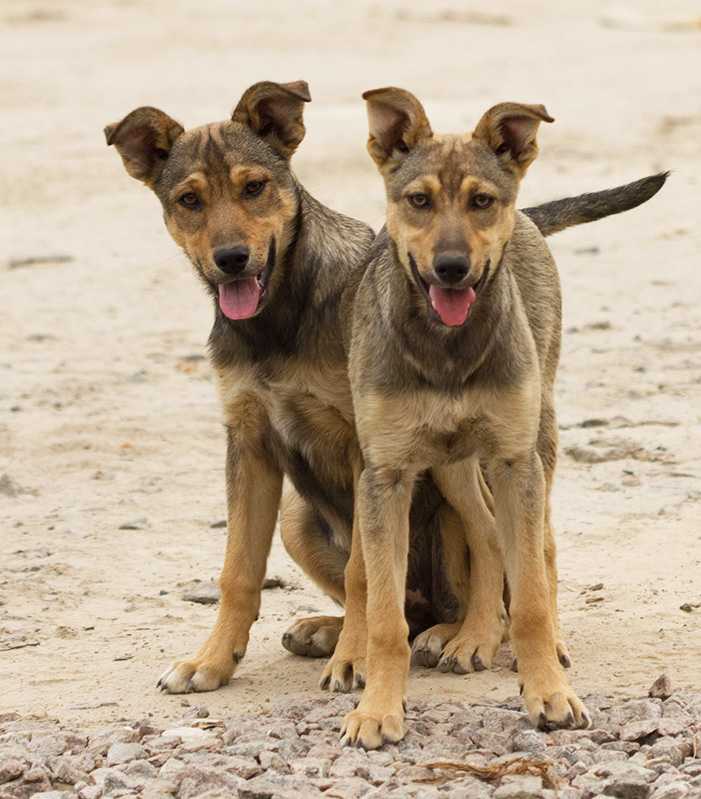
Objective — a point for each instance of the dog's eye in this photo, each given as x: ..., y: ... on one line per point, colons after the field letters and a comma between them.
x: 420, y: 200
x: 482, y: 201
x: 189, y: 200
x: 253, y: 188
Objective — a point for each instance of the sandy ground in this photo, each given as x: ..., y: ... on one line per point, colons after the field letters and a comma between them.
x: 107, y: 412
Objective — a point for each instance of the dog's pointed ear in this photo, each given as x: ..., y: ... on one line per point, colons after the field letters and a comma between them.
x: 397, y: 123
x: 144, y: 139
x: 510, y: 130
x: 274, y: 111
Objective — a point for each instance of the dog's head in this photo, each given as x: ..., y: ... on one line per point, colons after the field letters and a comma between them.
x: 228, y: 195
x: 450, y: 199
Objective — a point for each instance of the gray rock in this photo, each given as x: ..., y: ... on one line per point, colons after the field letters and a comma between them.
x: 466, y: 788
x: 528, y: 741
x: 10, y: 769
x: 273, y: 762
x: 661, y: 688
x: 51, y: 795
x: 669, y: 726
x: 197, y: 780
x: 672, y: 790
x: 124, y: 752
x: 203, y: 594
x: 627, y: 789
x: 141, y: 771
x: 349, y: 788
x: 520, y: 788
x: 635, y: 710
x: 635, y: 730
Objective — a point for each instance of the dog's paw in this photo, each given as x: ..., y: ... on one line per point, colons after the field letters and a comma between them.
x: 428, y: 646
x: 344, y: 672
x: 371, y: 729
x: 187, y: 676
x: 315, y: 637
x: 472, y: 649
x: 551, y: 704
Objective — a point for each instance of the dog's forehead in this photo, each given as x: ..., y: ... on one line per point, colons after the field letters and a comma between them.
x: 449, y: 159
x: 212, y: 150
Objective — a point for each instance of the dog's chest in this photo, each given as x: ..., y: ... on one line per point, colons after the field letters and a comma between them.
x: 308, y: 405
x: 309, y: 397
x: 427, y: 429
x: 451, y: 431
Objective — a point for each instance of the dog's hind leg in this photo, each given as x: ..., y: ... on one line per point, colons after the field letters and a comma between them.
x: 474, y: 646
x: 310, y: 543
x: 428, y: 645
x: 547, y: 449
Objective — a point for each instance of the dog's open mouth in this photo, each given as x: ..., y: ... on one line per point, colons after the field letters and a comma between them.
x: 451, y: 306
x: 241, y: 298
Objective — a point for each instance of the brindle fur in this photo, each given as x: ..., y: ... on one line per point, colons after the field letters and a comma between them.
x: 445, y: 398
x: 282, y: 377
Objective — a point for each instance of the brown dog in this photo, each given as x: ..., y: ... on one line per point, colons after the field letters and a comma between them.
x: 282, y: 271
x: 455, y: 345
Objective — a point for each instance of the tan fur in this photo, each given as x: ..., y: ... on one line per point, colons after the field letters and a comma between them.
x: 492, y: 402
x: 283, y: 382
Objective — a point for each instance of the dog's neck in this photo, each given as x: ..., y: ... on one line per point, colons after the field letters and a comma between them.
x: 447, y: 359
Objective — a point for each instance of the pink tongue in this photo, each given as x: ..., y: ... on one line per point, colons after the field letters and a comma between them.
x: 452, y: 305
x: 239, y: 299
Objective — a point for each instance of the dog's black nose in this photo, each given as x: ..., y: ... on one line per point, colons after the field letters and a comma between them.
x: 452, y: 267
x: 232, y: 260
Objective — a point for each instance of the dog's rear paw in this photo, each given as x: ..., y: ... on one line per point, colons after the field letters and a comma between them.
x: 315, y: 637
x: 428, y: 646
x: 187, y: 676
x: 470, y: 651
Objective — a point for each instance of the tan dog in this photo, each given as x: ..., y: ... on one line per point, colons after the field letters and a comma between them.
x: 455, y: 345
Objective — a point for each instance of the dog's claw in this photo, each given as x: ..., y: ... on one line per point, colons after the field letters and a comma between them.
x: 444, y: 665
x: 477, y: 664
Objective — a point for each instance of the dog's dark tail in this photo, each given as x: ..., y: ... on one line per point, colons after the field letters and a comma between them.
x: 560, y: 214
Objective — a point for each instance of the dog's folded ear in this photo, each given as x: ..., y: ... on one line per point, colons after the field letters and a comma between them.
x: 509, y: 130
x: 397, y: 123
x: 274, y: 111
x: 144, y: 139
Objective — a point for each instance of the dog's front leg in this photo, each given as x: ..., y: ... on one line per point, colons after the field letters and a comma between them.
x: 519, y: 498
x: 254, y: 485
x: 346, y: 668
x: 384, y: 500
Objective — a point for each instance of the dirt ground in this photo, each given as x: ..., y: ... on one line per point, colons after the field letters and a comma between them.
x: 108, y: 416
